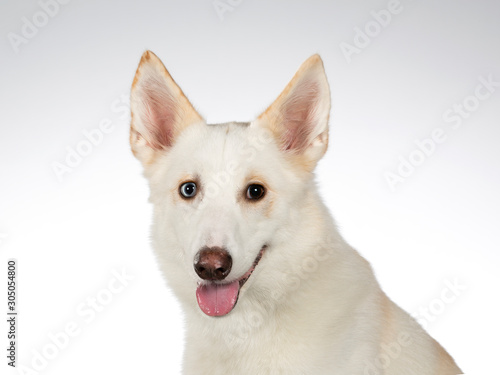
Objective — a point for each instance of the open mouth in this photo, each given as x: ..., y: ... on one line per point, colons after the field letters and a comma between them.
x: 219, y: 299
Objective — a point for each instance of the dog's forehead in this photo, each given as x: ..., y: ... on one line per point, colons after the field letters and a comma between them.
x: 235, y: 131
x: 216, y: 146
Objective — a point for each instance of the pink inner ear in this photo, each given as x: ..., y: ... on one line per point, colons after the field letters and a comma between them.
x: 298, y: 119
x: 159, y: 114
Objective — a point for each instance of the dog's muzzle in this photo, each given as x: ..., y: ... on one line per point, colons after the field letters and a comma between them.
x: 216, y: 297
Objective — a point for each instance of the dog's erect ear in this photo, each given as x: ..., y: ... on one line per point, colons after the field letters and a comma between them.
x: 160, y: 110
x: 298, y: 119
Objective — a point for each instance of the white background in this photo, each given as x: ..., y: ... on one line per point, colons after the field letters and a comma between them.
x: 440, y: 225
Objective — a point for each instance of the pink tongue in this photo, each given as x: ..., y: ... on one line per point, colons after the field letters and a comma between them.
x: 217, y: 299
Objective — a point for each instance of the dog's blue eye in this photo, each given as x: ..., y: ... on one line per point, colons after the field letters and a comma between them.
x: 188, y: 189
x: 255, y: 191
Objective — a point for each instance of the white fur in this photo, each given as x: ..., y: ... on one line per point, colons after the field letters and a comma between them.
x: 312, y: 305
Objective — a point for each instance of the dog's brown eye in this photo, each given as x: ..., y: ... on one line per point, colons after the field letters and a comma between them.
x: 188, y: 190
x: 255, y: 191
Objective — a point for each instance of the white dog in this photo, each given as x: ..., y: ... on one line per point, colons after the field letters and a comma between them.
x: 267, y: 284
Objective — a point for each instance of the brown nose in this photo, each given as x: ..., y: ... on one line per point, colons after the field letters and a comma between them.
x: 213, y: 263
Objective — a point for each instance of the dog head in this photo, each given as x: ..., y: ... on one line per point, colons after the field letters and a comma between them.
x: 226, y: 196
